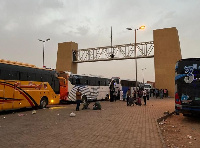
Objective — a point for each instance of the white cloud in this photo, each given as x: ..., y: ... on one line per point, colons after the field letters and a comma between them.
x: 11, y: 25
x: 88, y: 23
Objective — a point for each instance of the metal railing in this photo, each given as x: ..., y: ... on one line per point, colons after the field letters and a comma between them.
x: 116, y: 52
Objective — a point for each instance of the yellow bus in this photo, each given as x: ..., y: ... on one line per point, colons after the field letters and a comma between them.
x: 23, y: 85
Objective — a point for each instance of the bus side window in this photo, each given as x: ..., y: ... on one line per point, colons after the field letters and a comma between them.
x: 38, y: 77
x: 82, y: 80
x: 23, y: 76
x: 31, y: 76
x: 92, y: 82
x: 87, y: 82
x: 73, y: 80
x: 7, y: 75
x: 15, y: 75
x: 99, y: 84
x: 107, y: 82
x: 56, y: 86
x: 44, y: 78
x: 77, y: 81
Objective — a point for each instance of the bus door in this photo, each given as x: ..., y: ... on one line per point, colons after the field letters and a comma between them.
x: 8, y: 95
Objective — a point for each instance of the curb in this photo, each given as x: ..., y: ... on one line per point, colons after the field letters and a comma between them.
x: 158, y: 127
x: 165, y: 117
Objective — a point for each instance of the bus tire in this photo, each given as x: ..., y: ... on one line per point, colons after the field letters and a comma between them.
x: 43, y: 102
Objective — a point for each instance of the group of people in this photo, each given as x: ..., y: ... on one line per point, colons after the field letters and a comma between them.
x: 160, y: 93
x: 83, y: 98
x: 145, y: 94
x: 131, y: 99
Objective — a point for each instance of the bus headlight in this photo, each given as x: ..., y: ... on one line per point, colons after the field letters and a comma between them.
x: 52, y: 101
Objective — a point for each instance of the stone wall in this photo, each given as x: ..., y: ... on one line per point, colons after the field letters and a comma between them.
x: 166, y: 53
x: 65, y: 57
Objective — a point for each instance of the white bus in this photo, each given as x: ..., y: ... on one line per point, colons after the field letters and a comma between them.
x: 93, y: 87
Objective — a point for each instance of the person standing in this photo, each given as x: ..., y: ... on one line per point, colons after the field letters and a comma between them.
x: 121, y: 95
x: 140, y: 93
x: 157, y: 92
x: 112, y: 89
x: 161, y: 93
x: 153, y: 92
x: 165, y: 93
x: 115, y: 96
x: 78, y: 99
x: 118, y: 94
x: 144, y: 96
x: 147, y: 96
x: 128, y: 96
x: 134, y: 94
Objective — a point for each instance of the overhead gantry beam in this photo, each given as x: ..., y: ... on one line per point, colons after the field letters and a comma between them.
x: 116, y: 52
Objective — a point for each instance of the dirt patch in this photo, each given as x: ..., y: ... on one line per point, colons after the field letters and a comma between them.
x: 179, y: 131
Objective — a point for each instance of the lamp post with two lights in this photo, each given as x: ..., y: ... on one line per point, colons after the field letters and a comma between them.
x: 43, y: 47
x: 141, y: 27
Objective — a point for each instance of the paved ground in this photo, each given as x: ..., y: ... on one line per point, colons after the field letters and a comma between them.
x: 115, y: 126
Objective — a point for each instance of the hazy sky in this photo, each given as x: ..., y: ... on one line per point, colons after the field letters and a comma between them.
x: 88, y: 23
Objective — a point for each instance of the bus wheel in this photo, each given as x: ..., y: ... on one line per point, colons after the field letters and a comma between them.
x: 43, y: 103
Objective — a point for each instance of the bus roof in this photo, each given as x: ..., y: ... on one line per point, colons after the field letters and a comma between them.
x: 190, y: 59
x: 21, y: 64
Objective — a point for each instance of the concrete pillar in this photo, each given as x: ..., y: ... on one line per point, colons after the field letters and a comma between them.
x: 65, y: 57
x: 166, y: 53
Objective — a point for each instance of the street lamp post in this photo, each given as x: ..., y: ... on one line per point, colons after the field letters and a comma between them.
x: 43, y: 47
x: 143, y: 74
x: 141, y: 27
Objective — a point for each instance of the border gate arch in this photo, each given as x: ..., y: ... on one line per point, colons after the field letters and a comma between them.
x: 165, y: 49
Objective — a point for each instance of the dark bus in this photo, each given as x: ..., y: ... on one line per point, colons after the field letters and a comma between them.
x: 187, y: 86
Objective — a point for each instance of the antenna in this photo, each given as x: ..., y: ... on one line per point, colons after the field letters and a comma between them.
x: 111, y: 41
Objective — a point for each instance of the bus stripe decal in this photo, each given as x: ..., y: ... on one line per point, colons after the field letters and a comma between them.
x: 22, y: 91
x: 25, y: 94
x: 9, y: 99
